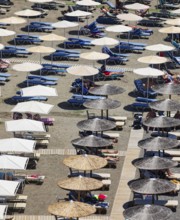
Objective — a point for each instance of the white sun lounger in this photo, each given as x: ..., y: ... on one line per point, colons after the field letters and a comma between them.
x: 172, y: 152
x: 167, y: 203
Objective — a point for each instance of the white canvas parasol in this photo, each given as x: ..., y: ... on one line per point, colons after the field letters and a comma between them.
x: 1, y: 46
x: 33, y: 107
x: 170, y: 30
x: 160, y: 47
x: 94, y: 56
x: 52, y: 37
x: 13, y: 20
x: 27, y: 67
x: 23, y: 125
x: 16, y: 145
x: 88, y: 3
x: 28, y: 13
x: 82, y: 70
x: 152, y: 59
x: 6, y: 33
x: 148, y: 71
x: 118, y: 28
x: 175, y: 22
x: 136, y: 6
x: 78, y: 13
x: 129, y: 17
x: 38, y: 91
x: 13, y: 162
x: 8, y: 188
x: 3, y: 211
x: 105, y: 41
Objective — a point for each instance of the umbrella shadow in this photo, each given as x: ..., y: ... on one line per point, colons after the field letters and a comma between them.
x: 74, y: 32
x: 9, y: 101
x: 67, y: 106
x: 21, y: 85
x: 133, y: 94
x: 128, y: 204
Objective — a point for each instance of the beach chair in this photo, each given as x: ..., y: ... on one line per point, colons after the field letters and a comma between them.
x: 40, y: 26
x: 14, y: 51
x: 27, y: 39
x: 5, y: 75
x: 174, y: 59
x: 163, y: 4
x: 43, y: 78
x: 53, y: 69
x: 50, y: 5
x: 175, y: 44
x: 115, y: 58
x: 28, y: 98
x: 142, y: 90
x: 138, y: 33
x: 4, y: 64
x: 129, y: 47
x: 77, y: 42
x: 6, y: 2
x: 40, y: 82
x: 31, y: 178
x: 64, y: 55
x: 144, y: 99
x: 111, y: 53
x: 108, y: 18
x: 16, y: 207
x: 140, y: 106
x: 152, y: 22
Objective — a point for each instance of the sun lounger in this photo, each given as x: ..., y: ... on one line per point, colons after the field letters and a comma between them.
x: 27, y: 39
x: 140, y: 106
x: 142, y: 90
x: 173, y: 176
x: 16, y: 207
x: 53, y: 69
x: 106, y: 184
x: 143, y: 99
x: 34, y: 136
x: 110, y: 135
x: 6, y: 75
x: 119, y: 125
x: 77, y: 42
x: 29, y: 98
x: 176, y: 133
x: 39, y: 82
x: 118, y: 118
x: 172, y: 152
x: 34, y: 178
x: 90, y: 97
x: 64, y: 55
x: 17, y: 199
x: 42, y: 77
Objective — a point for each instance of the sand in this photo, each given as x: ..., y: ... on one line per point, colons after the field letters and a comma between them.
x: 66, y: 117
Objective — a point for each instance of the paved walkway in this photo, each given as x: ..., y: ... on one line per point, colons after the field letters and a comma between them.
x: 123, y: 193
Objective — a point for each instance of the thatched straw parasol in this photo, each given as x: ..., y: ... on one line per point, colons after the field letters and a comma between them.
x: 106, y: 90
x: 165, y: 105
x: 85, y: 162
x: 71, y: 209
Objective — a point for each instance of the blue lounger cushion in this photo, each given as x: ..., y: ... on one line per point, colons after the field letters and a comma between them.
x: 64, y: 66
x: 91, y: 97
x: 43, y: 78
x: 5, y: 75
x: 140, y: 105
x: 3, y: 78
x: 68, y: 51
x: 134, y: 43
x: 129, y: 47
x: 143, y: 99
x: 29, y: 98
x: 39, y: 82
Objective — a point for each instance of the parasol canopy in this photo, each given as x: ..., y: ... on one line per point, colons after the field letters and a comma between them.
x: 165, y: 105
x: 25, y: 125
x: 154, y: 163
x: 71, y: 209
x: 152, y: 59
x: 118, y: 28
x: 13, y: 162
x: 158, y: 143
x: 106, y: 89
x: 96, y: 124
x: 28, y: 13
x: 6, y: 33
x: 94, y: 56
x: 105, y: 41
x: 161, y: 122
x: 33, y: 107
x: 3, y: 211
x: 38, y: 91
x: 65, y: 24
x: 82, y: 70
x: 8, y: 188
x: 91, y: 141
x: 17, y: 145
x: 170, y: 30
x: 152, y: 186
x: 148, y: 71
x: 102, y: 104
x: 175, y: 21
x: 80, y: 183
x: 148, y: 212
x: 78, y: 13
x: 129, y: 17
x: 27, y: 67
x: 136, y: 6
x: 13, y: 20
x: 159, y: 47
x: 88, y: 3
x: 41, y: 49
x: 167, y: 88
x: 1, y: 46
x: 85, y: 162
x: 52, y: 37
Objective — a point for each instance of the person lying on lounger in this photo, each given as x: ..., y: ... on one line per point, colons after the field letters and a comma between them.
x: 109, y: 73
